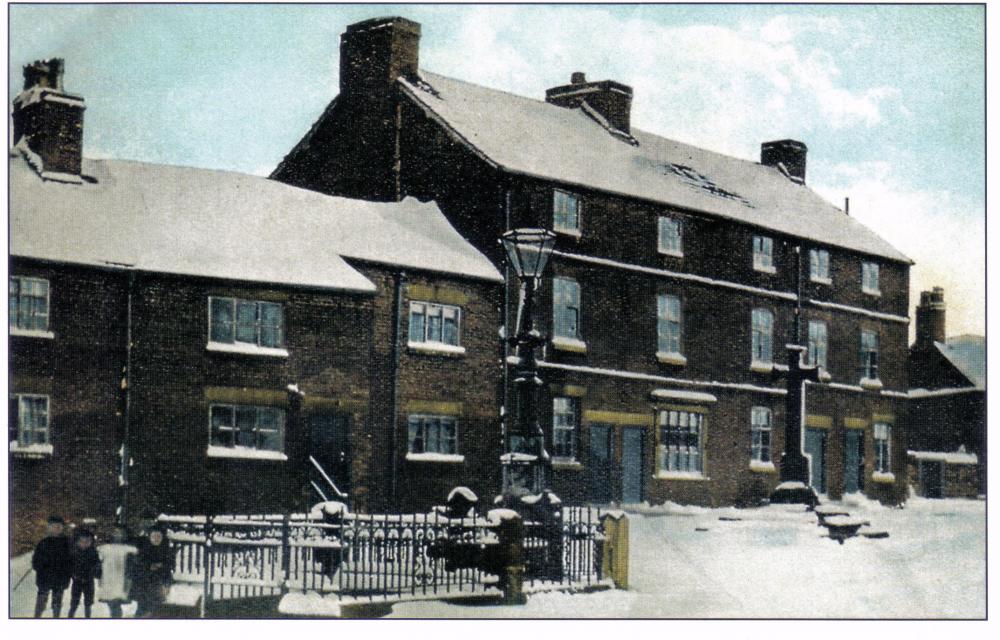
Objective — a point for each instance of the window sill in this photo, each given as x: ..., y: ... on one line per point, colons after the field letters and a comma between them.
x: 883, y: 478
x: 761, y: 367
x: 671, y: 253
x: 681, y: 475
x: 30, y: 451
x: 31, y: 333
x: 819, y: 280
x: 872, y: 384
x: 759, y: 268
x: 436, y: 348
x: 244, y: 453
x: 573, y: 233
x: 569, y: 344
x: 246, y: 349
x: 824, y: 375
x: 762, y: 467
x: 566, y: 464
x: 872, y: 292
x: 451, y: 458
x: 671, y: 358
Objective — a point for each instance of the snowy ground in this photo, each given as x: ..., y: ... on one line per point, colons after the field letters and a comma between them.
x: 772, y: 562
x: 775, y: 563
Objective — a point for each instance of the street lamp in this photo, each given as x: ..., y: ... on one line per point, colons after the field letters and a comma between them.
x: 525, y: 460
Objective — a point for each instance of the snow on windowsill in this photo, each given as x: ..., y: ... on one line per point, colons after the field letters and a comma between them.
x: 671, y: 358
x: 246, y: 349
x: 949, y: 457
x: 436, y: 347
x: 569, y: 344
x: 819, y: 280
x: 30, y: 450
x: 680, y: 475
x: 672, y: 253
x: 762, y: 367
x: 679, y: 394
x: 762, y: 467
x: 245, y: 453
x: 31, y: 333
x: 566, y: 464
x: 870, y: 383
x: 883, y: 478
x: 435, y: 457
x: 871, y: 292
x: 573, y: 233
x: 765, y: 269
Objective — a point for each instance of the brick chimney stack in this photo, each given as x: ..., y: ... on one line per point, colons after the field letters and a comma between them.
x: 790, y: 154
x: 611, y: 100
x: 48, y: 122
x: 374, y: 53
x: 930, y: 318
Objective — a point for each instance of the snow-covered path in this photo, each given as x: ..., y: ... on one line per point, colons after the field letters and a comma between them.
x: 774, y: 562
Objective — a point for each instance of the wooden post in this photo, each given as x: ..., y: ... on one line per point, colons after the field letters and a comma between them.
x: 510, y: 533
x: 614, y: 557
x: 286, y: 551
x: 206, y: 558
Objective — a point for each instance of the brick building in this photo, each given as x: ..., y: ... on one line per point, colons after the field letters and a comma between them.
x: 673, y: 287
x: 184, y: 340
x: 946, y: 421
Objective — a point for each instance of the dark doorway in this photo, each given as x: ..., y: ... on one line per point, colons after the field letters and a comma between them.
x: 600, y: 463
x: 932, y: 478
x: 330, y: 445
x: 631, y: 465
x: 815, y: 449
x: 854, y: 460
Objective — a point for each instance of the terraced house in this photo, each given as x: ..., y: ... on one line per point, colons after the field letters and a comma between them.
x: 674, y: 285
x: 189, y: 341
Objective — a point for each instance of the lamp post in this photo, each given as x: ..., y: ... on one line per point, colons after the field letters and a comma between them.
x: 525, y: 460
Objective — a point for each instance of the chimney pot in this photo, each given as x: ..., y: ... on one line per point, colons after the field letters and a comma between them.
x: 578, y: 77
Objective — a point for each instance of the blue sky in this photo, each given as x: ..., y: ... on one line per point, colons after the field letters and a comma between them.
x: 889, y: 99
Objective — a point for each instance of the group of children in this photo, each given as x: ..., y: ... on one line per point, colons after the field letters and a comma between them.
x: 139, y: 570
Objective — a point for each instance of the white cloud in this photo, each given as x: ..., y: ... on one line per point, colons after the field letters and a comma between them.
x: 723, y: 88
x: 940, y: 232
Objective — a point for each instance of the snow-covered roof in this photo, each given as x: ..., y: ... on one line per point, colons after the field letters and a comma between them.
x: 220, y: 224
x: 533, y: 137
x: 968, y: 354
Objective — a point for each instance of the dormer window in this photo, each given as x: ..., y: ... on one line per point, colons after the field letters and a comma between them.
x: 869, y: 279
x: 763, y: 254
x: 670, y: 236
x: 565, y: 212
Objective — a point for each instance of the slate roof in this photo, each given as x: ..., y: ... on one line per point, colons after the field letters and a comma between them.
x: 220, y: 224
x: 967, y: 353
x: 535, y: 138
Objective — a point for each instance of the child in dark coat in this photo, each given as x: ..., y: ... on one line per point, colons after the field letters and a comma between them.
x: 155, y: 567
x: 52, y: 564
x: 86, y: 568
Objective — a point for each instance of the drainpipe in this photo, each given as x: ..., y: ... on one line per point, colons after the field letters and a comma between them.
x: 397, y: 333
x: 506, y: 329
x: 126, y: 384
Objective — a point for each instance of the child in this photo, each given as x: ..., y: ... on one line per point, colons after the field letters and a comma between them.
x: 52, y: 564
x: 155, y: 569
x: 86, y: 567
x: 116, y: 571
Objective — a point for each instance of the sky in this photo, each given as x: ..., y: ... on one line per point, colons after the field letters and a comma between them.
x: 889, y: 99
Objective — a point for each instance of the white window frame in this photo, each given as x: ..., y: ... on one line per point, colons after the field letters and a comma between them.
x: 763, y: 254
x: 14, y: 318
x: 818, y: 352
x: 559, y: 332
x: 565, y: 427
x: 761, y: 432
x: 422, y: 420
x: 567, y: 208
x: 868, y: 371
x: 819, y: 266
x: 424, y: 341
x: 671, y: 244
x: 882, y: 436
x: 669, y: 329
x: 870, y: 279
x: 757, y: 335
x: 241, y: 346
x: 235, y: 450
x: 681, y: 459
x: 20, y: 445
